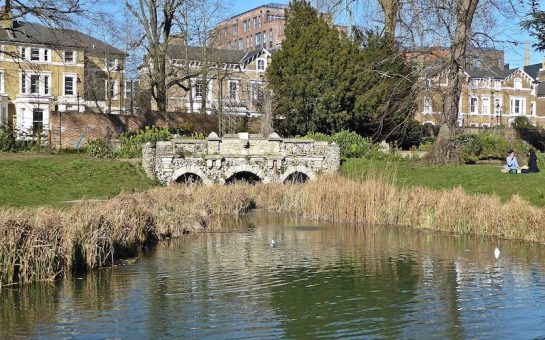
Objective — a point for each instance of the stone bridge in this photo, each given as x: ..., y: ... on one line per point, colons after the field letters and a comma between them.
x: 243, y: 156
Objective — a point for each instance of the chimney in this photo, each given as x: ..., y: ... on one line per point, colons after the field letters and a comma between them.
x: 526, y: 54
x: 6, y: 17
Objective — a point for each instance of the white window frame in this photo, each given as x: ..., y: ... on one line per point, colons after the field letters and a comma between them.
x: 46, y: 55
x: 23, y: 53
x: 2, y: 81
x: 74, y: 57
x: 498, y: 108
x: 485, y: 110
x: 2, y: 52
x: 473, y: 109
x: 194, y: 88
x: 74, y: 85
x: 519, y: 82
x: 497, y: 85
x: 111, y: 67
x: 36, y: 85
x: 229, y: 83
x: 533, y: 108
x: 428, y: 108
x: 257, y: 68
x: 522, y: 106
x: 35, y: 52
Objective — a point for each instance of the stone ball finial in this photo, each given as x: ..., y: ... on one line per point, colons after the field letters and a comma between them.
x: 213, y: 136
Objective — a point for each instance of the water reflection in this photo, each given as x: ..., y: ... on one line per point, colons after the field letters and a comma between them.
x: 319, y: 281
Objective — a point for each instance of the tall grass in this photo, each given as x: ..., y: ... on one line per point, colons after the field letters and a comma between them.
x: 45, y: 244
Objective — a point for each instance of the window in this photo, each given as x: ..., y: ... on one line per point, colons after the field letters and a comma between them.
x: 37, y: 120
x: 485, y: 105
x: 34, y: 84
x: 247, y: 42
x: 485, y: 125
x: 23, y: 52
x: 473, y: 125
x: 229, y: 45
x: 69, y: 86
x: 533, y: 108
x: 271, y: 38
x: 69, y: 57
x: 240, y: 44
x: 518, y: 106
x: 258, y: 39
x: 427, y: 105
x: 46, y: 84
x: 473, y: 105
x: 245, y: 25
x: 473, y: 83
x: 23, y: 83
x: 255, y: 23
x: 110, y: 85
x: 233, y: 90
x: 198, y: 89
x: 518, y: 84
x: 264, y: 38
x: 497, y: 106
x: 235, y: 31
x: 259, y: 21
x: 46, y: 55
x: 497, y: 85
x: 111, y: 63
x: 2, y: 89
x: 261, y: 64
x: 35, y: 54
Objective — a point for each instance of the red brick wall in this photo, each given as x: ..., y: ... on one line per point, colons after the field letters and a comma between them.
x: 88, y: 126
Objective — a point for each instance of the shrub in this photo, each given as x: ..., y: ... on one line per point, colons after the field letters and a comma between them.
x: 131, y: 144
x: 521, y: 123
x: 8, y: 142
x: 99, y: 148
x: 351, y: 144
x: 473, y: 147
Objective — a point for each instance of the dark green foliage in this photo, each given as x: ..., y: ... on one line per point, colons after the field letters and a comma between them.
x: 8, y: 142
x: 474, y: 147
x: 535, y: 24
x: 351, y: 144
x: 521, y: 122
x: 99, y: 148
x: 324, y: 82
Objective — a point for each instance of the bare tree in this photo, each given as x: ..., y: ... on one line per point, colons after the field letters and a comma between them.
x: 156, y: 19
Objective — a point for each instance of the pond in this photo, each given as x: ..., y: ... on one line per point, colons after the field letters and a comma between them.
x: 318, y: 281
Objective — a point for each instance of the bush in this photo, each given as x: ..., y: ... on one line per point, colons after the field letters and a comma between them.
x: 521, y: 123
x: 131, y: 144
x: 99, y: 148
x: 8, y: 143
x: 474, y: 147
x: 351, y: 144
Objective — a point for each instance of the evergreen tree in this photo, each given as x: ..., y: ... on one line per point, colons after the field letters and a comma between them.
x: 325, y: 82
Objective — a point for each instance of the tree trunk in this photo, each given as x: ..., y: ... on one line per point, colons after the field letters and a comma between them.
x: 444, y: 150
x: 391, y: 10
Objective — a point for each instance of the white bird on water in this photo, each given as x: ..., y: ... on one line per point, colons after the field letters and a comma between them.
x: 272, y: 243
x: 497, y: 253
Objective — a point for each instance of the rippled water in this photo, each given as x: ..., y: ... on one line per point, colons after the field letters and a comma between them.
x: 320, y: 281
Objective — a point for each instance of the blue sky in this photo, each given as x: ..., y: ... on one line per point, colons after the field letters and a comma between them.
x: 514, y: 55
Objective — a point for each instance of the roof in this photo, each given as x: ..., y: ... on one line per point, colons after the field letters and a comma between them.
x: 269, y: 5
x: 214, y: 54
x: 34, y: 33
x: 532, y: 70
x: 488, y: 73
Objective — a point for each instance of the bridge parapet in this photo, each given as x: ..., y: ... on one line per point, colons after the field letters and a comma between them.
x: 240, y: 156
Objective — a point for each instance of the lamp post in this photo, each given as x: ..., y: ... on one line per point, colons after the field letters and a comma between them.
x: 78, y: 82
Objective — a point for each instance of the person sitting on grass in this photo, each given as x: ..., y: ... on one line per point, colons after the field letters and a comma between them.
x: 511, y: 162
x: 532, y: 162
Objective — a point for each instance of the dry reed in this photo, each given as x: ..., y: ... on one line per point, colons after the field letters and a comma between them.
x: 45, y: 244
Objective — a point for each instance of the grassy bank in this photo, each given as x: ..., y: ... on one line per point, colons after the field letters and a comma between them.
x: 38, y: 179
x: 44, y: 244
x: 478, y: 179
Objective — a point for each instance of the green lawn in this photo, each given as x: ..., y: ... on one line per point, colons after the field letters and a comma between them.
x: 34, y: 179
x: 485, y: 179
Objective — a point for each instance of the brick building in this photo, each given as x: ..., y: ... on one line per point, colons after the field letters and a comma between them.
x: 260, y: 27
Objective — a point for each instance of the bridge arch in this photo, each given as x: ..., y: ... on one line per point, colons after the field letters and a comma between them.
x: 299, y: 169
x: 190, y: 171
x: 245, y: 169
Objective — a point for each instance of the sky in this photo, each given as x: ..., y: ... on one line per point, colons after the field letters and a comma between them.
x: 514, y: 55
